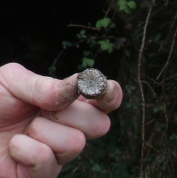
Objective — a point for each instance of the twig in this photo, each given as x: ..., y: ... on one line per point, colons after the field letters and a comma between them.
x: 172, y: 108
x: 169, y: 78
x: 152, y: 147
x: 169, y: 56
x: 84, y: 26
x: 150, y: 122
x: 145, y: 82
x: 166, y: 3
x: 171, y: 26
x: 169, y: 33
x: 141, y: 87
x: 109, y: 8
x: 53, y: 66
x: 166, y: 119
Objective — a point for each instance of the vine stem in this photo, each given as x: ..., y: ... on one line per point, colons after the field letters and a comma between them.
x: 169, y: 56
x: 143, y: 105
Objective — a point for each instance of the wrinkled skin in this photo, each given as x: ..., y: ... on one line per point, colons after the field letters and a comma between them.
x: 44, y: 123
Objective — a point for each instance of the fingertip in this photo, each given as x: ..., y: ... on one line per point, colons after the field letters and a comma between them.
x: 17, y: 152
x: 112, y: 98
x: 100, y: 128
x: 76, y: 143
x: 35, y: 158
x: 104, y: 126
x: 67, y: 91
x: 53, y: 94
x: 114, y: 94
x: 30, y: 152
x: 79, y: 138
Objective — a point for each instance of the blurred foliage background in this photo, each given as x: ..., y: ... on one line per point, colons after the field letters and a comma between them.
x: 131, y: 41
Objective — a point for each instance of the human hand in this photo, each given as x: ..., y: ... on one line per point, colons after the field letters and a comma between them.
x: 44, y: 123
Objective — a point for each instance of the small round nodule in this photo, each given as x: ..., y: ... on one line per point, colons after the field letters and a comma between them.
x: 91, y: 83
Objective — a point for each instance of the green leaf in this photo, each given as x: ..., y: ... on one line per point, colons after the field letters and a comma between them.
x: 96, y: 168
x: 87, y: 62
x: 122, y: 4
x: 66, y: 44
x: 131, y: 4
x: 106, y: 45
x: 81, y: 34
x: 126, y: 6
x: 103, y: 22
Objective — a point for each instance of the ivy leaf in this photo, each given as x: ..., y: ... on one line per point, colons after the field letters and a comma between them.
x: 131, y: 4
x: 106, y: 45
x: 96, y: 168
x: 103, y: 22
x: 87, y: 62
x: 126, y: 6
x: 81, y: 34
x: 122, y: 4
x: 66, y: 44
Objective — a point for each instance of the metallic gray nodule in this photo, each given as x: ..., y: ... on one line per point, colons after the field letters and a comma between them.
x: 91, y: 83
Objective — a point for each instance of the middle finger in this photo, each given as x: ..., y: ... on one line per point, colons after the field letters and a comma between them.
x: 83, y: 116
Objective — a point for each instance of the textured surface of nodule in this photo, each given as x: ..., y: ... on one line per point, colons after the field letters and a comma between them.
x: 91, y: 83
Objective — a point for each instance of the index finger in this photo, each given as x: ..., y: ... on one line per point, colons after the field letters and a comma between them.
x: 110, y: 101
x: 44, y: 92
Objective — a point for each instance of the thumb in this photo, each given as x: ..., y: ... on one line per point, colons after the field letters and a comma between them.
x: 44, y: 92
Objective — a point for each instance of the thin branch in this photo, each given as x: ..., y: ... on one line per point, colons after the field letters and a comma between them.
x: 166, y: 119
x: 166, y: 4
x: 171, y: 26
x: 145, y: 82
x: 172, y: 108
x: 169, y: 78
x: 150, y: 122
x: 169, y: 56
x: 141, y: 87
x: 169, y: 33
x: 53, y: 66
x: 84, y: 26
x: 152, y: 147
x: 109, y: 8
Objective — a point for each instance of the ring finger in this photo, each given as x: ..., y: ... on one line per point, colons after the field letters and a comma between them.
x: 66, y: 142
